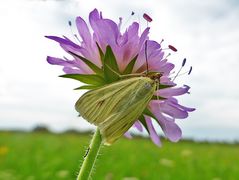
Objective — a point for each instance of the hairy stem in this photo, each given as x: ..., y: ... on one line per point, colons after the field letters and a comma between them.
x: 90, y: 157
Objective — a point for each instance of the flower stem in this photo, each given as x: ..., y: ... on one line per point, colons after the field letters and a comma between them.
x: 90, y: 157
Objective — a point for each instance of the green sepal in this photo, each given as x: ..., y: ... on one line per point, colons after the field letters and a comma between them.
x: 149, y: 113
x: 110, y: 76
x: 110, y: 59
x: 91, y: 65
x: 163, y: 86
x: 92, y: 79
x: 130, y: 66
x: 158, y: 98
x: 143, y: 121
x: 111, y: 69
x: 89, y: 87
x: 102, y: 56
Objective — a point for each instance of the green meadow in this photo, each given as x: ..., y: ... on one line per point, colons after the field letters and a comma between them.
x: 46, y: 156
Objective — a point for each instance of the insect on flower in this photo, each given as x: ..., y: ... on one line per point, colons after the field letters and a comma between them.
x: 115, y: 107
x: 128, y: 76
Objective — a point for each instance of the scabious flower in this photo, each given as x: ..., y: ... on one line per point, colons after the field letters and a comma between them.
x: 127, y: 47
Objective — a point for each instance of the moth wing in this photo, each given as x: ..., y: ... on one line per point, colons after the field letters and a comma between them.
x: 96, y: 104
x: 114, y: 108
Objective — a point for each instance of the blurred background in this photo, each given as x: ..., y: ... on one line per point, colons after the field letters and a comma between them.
x: 31, y: 94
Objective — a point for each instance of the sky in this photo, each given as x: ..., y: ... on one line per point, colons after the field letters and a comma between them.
x: 205, y: 32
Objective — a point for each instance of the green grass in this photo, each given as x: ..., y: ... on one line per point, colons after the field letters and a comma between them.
x: 43, y: 156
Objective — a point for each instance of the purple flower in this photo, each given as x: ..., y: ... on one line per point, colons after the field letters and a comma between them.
x: 127, y: 47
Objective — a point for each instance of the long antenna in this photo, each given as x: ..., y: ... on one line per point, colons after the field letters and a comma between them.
x: 146, y: 57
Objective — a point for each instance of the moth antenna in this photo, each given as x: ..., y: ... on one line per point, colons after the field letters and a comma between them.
x: 157, y: 88
x: 146, y: 56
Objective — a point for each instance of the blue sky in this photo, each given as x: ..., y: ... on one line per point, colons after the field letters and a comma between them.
x: 205, y: 32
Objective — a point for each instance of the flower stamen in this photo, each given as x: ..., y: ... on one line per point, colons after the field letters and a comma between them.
x: 128, y: 19
x: 172, y: 48
x: 147, y: 18
x: 183, y: 64
x: 73, y: 34
x: 190, y: 70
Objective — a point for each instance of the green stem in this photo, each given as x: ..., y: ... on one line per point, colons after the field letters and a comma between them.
x: 90, y: 157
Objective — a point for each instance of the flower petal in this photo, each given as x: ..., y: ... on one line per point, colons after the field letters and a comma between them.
x: 138, y: 126
x: 174, y: 102
x: 64, y: 41
x: 70, y: 66
x: 154, y: 136
x: 128, y: 135
x: 69, y: 70
x: 169, y: 127
x: 59, y: 61
x: 83, y: 31
x: 173, y: 111
x: 169, y: 92
x: 106, y: 31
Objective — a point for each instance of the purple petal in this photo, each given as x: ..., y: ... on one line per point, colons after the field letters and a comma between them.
x: 166, y: 68
x: 141, y: 58
x: 69, y: 70
x: 143, y: 37
x: 127, y: 46
x: 169, y: 127
x: 128, y: 135
x: 133, y: 32
x: 83, y: 31
x: 63, y: 41
x: 174, y: 103
x: 154, y: 136
x: 106, y: 31
x: 70, y: 66
x: 153, y: 51
x: 68, y: 45
x: 173, y: 110
x: 94, y: 16
x: 138, y: 125
x: 169, y: 92
x: 167, y: 81
x: 59, y: 61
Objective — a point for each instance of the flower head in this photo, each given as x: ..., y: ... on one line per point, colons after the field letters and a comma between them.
x: 104, y: 48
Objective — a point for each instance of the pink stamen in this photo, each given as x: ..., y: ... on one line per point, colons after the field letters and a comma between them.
x: 172, y: 48
x: 147, y: 17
